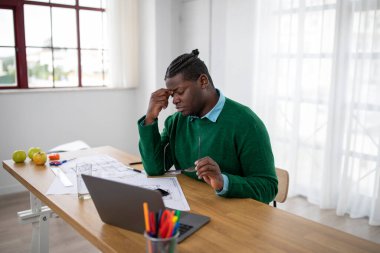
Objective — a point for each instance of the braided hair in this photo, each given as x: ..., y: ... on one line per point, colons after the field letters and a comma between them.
x: 189, y: 65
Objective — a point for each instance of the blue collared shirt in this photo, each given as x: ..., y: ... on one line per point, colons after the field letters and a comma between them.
x: 215, y: 112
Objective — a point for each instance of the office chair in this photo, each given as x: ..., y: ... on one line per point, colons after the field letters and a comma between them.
x: 283, y: 185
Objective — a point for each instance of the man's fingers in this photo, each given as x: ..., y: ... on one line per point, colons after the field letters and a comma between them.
x: 162, y: 92
x: 205, y: 160
x: 208, y: 170
x: 206, y: 166
x: 158, y: 101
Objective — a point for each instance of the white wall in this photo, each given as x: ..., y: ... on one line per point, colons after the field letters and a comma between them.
x: 194, y: 29
x: 223, y: 32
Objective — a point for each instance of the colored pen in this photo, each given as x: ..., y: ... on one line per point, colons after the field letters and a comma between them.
x: 137, y: 162
x: 57, y: 163
x: 135, y: 170
x: 146, y: 216
x: 152, y: 225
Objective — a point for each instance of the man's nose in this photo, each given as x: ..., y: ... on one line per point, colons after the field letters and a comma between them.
x: 175, y: 99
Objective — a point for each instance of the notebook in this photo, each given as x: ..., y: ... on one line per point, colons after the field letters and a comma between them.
x: 120, y: 204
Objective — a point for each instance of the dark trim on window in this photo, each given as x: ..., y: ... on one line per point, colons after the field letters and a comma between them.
x: 22, y: 69
x: 20, y: 44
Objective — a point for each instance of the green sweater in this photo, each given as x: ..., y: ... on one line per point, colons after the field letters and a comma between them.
x: 238, y: 141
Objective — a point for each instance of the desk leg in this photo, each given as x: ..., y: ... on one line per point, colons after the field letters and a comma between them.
x: 39, y: 216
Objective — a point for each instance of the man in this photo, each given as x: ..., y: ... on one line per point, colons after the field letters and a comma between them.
x: 225, y: 141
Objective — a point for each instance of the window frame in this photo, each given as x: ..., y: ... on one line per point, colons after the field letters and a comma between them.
x: 17, y: 6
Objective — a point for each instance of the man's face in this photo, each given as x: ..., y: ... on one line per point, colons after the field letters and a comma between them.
x: 187, y: 95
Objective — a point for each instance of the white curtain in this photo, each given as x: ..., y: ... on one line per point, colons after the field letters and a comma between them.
x: 317, y: 87
x: 122, y: 24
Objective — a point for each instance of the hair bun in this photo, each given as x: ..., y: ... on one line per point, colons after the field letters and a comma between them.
x: 195, y: 52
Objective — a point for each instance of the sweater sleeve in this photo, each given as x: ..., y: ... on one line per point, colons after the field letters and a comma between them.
x: 152, y: 146
x: 258, y: 179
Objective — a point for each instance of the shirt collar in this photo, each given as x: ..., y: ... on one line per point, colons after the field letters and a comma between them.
x: 215, y: 112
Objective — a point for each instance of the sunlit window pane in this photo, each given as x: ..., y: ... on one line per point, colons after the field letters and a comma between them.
x: 313, y: 124
x: 64, y: 28
x: 288, y: 34
x: 91, y: 29
x: 286, y: 4
x: 105, y: 32
x: 309, y: 3
x: 6, y: 28
x: 37, y: 26
x: 92, y: 67
x: 91, y: 3
x: 376, y: 32
x: 106, y: 64
x: 65, y: 68
x: 313, y: 32
x: 7, y: 67
x: 52, y: 38
x: 40, y: 67
x: 316, y: 77
x: 328, y: 31
x: 286, y: 77
x: 67, y: 2
x: 284, y: 118
x: 104, y: 3
x: 363, y: 173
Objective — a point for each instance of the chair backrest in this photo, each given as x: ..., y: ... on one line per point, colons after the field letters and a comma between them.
x: 283, y: 185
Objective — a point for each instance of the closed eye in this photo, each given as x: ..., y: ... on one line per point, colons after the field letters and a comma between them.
x: 180, y: 92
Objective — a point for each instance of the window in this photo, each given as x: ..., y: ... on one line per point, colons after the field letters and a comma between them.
x: 327, y: 56
x: 303, y: 57
x: 53, y: 43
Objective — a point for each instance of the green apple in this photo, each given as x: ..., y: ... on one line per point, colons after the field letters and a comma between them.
x: 39, y: 158
x: 19, y: 156
x: 31, y: 152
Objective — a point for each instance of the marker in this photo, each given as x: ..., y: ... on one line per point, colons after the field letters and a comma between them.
x: 134, y: 163
x: 57, y: 163
x: 146, y: 216
x: 135, y: 170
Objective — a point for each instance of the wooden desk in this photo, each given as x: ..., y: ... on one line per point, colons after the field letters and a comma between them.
x: 237, y: 225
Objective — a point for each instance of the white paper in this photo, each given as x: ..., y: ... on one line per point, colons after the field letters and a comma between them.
x: 71, y: 146
x: 175, y: 200
x: 105, y: 166
x: 62, y: 176
x: 102, y: 166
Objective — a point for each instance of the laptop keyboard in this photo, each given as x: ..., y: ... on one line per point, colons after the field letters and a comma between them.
x: 183, y: 228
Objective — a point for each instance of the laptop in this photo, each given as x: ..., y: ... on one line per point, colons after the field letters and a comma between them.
x: 120, y: 204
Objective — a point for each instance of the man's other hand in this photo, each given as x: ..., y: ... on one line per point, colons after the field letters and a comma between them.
x: 208, y: 170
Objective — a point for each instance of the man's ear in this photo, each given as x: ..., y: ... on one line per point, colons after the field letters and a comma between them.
x: 203, y: 81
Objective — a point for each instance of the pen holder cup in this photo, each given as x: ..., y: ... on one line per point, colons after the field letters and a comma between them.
x: 161, y: 245
x: 83, y: 168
